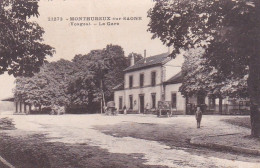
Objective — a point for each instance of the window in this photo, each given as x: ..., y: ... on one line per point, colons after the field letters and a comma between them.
x: 141, y: 80
x: 153, y: 78
x: 174, y: 100
x: 120, y: 103
x: 130, y: 81
x: 130, y: 102
x: 153, y: 100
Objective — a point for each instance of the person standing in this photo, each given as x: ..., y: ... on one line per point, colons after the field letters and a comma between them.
x: 198, y: 116
x: 146, y: 108
x: 124, y: 108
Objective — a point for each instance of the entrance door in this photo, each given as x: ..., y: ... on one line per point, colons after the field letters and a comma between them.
x: 141, y: 98
x: 120, y: 103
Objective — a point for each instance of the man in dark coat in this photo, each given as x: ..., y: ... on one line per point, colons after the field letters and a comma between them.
x: 198, y: 116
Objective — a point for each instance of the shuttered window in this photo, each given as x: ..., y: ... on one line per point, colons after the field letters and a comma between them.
x: 130, y: 81
x: 130, y: 102
x: 153, y: 78
x: 141, y: 80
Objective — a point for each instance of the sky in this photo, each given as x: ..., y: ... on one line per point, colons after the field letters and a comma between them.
x: 69, y: 40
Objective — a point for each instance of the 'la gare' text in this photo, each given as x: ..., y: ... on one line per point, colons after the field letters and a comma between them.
x: 94, y: 24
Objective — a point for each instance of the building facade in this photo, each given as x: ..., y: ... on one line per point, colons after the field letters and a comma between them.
x: 146, y: 82
x: 158, y: 78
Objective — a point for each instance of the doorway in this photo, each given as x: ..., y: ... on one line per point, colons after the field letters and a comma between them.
x: 141, y: 98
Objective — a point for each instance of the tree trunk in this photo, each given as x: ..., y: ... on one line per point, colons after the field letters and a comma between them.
x: 254, y: 77
x: 101, y: 105
x: 103, y: 102
x: 30, y: 108
x: 254, y: 90
x: 220, y: 105
x: 103, y: 96
x: 24, y: 108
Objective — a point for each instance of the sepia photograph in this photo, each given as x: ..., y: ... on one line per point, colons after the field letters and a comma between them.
x: 129, y: 84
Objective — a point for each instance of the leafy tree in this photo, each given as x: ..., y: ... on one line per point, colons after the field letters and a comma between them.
x: 201, y: 78
x: 22, y: 50
x: 95, y: 65
x: 228, y: 29
x: 195, y: 75
x: 48, y: 87
x: 117, y: 63
x: 104, y: 68
x: 84, y: 82
x: 82, y: 90
x: 33, y: 90
x: 61, y: 73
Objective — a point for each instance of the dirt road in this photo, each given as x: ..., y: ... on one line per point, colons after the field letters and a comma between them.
x: 95, y: 131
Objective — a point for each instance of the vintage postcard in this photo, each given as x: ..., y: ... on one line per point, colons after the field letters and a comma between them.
x: 129, y: 84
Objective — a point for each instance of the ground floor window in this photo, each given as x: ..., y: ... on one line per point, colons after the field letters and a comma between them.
x: 174, y: 100
x: 153, y: 100
x: 120, y: 103
x: 130, y: 102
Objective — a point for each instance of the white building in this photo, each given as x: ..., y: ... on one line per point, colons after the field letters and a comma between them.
x: 152, y: 79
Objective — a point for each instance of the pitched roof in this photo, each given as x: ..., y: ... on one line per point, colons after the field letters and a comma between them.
x: 149, y: 61
x: 175, y: 79
x: 8, y: 99
x: 119, y: 86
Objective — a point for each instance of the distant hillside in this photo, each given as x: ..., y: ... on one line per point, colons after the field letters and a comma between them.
x: 6, y: 106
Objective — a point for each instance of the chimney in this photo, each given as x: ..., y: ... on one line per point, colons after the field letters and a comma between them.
x: 132, y: 59
x: 144, y: 56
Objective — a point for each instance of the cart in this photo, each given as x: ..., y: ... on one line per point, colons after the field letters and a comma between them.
x: 164, y: 109
x: 110, y: 109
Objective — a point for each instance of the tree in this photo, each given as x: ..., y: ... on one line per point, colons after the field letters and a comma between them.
x: 82, y: 88
x: 22, y: 51
x: 195, y: 75
x: 229, y: 31
x: 84, y: 82
x: 117, y: 62
x: 105, y: 68
x: 48, y: 87
x: 201, y: 78
x: 34, y: 90
x: 61, y: 74
x: 81, y: 94
x: 97, y: 65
